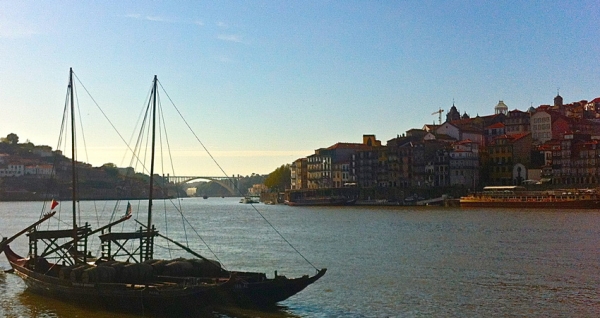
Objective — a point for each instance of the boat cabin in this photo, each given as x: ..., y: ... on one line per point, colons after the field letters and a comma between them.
x: 505, y: 189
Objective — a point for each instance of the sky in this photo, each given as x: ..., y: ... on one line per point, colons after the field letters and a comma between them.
x: 263, y: 83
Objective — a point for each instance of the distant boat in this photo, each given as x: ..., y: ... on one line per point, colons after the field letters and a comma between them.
x: 249, y: 199
x: 519, y: 197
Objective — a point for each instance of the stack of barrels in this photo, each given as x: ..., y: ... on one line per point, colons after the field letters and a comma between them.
x: 140, y: 273
x: 181, y: 267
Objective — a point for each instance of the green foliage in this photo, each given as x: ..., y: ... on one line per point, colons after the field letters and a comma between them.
x: 279, y: 179
x: 248, y: 181
x: 213, y: 189
x: 11, y: 139
x: 110, y: 169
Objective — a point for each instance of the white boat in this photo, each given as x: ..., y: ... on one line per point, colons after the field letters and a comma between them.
x: 249, y: 200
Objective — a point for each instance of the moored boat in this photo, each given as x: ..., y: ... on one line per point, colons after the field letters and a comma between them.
x: 519, y: 197
x: 59, y: 265
x: 250, y: 200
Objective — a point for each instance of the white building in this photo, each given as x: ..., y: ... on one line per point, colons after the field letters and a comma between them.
x: 39, y: 170
x: 12, y: 170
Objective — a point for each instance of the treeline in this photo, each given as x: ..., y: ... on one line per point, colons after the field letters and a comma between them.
x: 276, y: 181
x: 213, y: 189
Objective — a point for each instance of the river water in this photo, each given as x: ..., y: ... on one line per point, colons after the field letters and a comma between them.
x: 382, y: 261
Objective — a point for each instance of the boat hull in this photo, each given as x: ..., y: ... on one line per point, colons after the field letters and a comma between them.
x: 320, y: 202
x: 156, y: 298
x: 576, y: 204
x: 242, y: 289
x: 268, y: 292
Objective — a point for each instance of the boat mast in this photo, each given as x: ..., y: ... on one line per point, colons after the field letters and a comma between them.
x: 154, y: 95
x: 74, y: 174
x: 73, y: 162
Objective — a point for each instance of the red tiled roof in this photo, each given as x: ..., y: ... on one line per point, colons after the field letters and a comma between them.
x: 347, y: 145
x: 496, y: 125
x: 466, y: 141
x: 513, y: 137
x: 516, y: 111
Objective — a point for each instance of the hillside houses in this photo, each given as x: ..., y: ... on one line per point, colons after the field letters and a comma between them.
x: 553, y: 144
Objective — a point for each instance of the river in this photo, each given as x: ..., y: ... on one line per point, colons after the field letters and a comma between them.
x: 382, y: 261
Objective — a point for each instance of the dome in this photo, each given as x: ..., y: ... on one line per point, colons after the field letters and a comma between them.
x: 501, y: 108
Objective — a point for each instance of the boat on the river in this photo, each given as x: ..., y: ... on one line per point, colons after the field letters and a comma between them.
x: 126, y: 276
x: 520, y: 197
x: 320, y: 201
x: 250, y: 200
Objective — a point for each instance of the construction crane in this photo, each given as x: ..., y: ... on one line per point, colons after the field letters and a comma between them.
x: 439, y: 112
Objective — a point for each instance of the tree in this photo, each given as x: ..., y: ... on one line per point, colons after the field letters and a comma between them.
x: 279, y: 179
x: 11, y: 139
x: 110, y: 169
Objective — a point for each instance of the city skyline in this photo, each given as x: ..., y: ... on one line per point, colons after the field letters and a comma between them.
x: 267, y: 83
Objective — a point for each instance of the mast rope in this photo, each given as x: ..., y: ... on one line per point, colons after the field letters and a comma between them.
x: 236, y: 187
x: 162, y: 124
x: 111, y: 124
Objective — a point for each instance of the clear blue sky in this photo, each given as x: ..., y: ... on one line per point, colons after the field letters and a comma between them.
x: 266, y: 82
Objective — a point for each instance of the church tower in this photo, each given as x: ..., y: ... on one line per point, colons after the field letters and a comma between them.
x: 453, y: 114
x: 558, y: 101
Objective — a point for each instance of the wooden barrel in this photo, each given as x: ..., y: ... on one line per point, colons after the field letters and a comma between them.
x: 158, y: 266
x: 76, y: 272
x: 117, y: 268
x: 99, y: 274
x: 136, y: 273
x: 205, y: 268
x: 180, y: 268
x: 65, y: 272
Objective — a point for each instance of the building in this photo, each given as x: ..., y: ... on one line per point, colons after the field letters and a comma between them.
x: 517, y: 122
x: 299, y: 177
x: 508, y: 159
x: 464, y: 164
x: 546, y: 125
x: 325, y: 168
x: 14, y: 169
x: 39, y: 170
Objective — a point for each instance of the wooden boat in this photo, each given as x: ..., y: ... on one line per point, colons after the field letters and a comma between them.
x: 58, y: 264
x: 519, y: 197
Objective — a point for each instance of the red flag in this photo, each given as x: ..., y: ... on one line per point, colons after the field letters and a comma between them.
x: 53, y: 204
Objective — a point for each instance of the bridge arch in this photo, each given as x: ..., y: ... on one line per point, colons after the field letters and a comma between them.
x: 229, y: 183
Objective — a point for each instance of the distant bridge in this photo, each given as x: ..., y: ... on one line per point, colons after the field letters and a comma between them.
x: 229, y: 183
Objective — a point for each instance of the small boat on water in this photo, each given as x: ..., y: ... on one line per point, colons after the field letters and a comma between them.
x: 520, y: 197
x: 250, y: 200
x: 126, y: 276
x: 320, y: 201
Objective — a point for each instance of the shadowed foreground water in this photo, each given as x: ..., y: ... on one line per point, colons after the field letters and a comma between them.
x: 382, y: 262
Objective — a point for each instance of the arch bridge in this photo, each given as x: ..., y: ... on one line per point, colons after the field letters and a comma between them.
x: 229, y: 183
